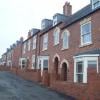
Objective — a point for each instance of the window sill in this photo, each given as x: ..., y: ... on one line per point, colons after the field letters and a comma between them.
x: 34, y: 48
x: 64, y: 49
x: 83, y: 45
x: 44, y: 49
x: 56, y: 44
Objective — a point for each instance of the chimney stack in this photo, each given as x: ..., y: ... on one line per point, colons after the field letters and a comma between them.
x: 21, y: 39
x: 29, y: 34
x: 67, y: 9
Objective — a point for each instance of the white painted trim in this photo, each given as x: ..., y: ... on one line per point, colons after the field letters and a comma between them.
x: 62, y: 36
x: 92, y: 2
x: 56, y: 55
x: 86, y: 55
x: 42, y: 58
x: 64, y: 61
x: 45, y: 36
x: 81, y: 39
x: 33, y: 61
x: 84, y: 59
x: 56, y: 29
x: 34, y: 42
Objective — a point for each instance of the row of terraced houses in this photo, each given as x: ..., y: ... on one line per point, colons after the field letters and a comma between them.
x: 67, y: 45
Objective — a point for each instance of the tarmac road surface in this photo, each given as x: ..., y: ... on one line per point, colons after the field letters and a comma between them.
x: 13, y: 87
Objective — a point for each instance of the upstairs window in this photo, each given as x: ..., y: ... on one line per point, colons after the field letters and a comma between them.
x: 33, y: 62
x: 45, y: 42
x: 86, y: 37
x: 54, y: 21
x: 65, y: 39
x: 56, y: 36
x: 24, y: 48
x: 34, y: 42
x: 29, y: 42
x: 95, y: 4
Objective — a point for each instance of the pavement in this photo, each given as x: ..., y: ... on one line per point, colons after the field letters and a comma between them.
x: 13, y: 87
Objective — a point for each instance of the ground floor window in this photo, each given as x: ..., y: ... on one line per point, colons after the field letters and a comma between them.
x: 23, y: 63
x: 43, y: 63
x: 33, y: 62
x: 81, y: 65
x: 9, y: 63
x: 79, y: 71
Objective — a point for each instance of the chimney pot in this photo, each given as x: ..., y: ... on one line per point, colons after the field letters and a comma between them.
x: 67, y: 9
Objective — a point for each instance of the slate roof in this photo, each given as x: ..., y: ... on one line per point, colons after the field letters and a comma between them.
x: 48, y: 28
x: 80, y: 14
x: 95, y: 51
x: 31, y: 36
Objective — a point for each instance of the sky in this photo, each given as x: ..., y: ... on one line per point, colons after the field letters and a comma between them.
x: 17, y: 17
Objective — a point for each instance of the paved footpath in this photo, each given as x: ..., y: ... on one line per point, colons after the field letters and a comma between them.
x: 13, y: 87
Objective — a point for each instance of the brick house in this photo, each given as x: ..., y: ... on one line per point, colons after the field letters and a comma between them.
x: 71, y: 45
x: 17, y: 52
x: 67, y: 45
x: 29, y: 50
x: 9, y: 56
x: 4, y: 59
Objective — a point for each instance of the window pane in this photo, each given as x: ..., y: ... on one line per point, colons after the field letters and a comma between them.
x: 96, y: 4
x: 79, y: 67
x: 45, y: 41
x: 45, y: 63
x: 86, y: 28
x: 87, y: 38
x: 80, y: 78
x: 56, y: 36
x: 34, y: 42
x: 92, y: 64
x: 65, y: 40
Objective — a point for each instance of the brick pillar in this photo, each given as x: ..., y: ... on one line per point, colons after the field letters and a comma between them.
x: 45, y: 78
x: 93, y: 84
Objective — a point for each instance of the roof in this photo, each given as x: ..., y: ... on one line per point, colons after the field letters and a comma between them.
x: 49, y: 28
x: 74, y: 18
x: 31, y: 36
x: 95, y: 51
x: 79, y: 15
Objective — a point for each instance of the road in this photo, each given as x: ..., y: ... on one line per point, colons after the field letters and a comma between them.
x: 13, y: 87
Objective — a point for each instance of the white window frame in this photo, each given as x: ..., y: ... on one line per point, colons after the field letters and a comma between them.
x: 82, y: 35
x: 56, y: 36
x: 45, y: 41
x: 41, y: 60
x: 24, y: 48
x: 54, y: 20
x: 33, y: 61
x: 66, y: 35
x: 21, y: 59
x: 29, y: 45
x: 34, y: 42
x: 95, y: 2
x: 85, y: 59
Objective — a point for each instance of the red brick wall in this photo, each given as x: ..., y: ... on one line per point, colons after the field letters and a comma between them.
x: 89, y: 91
x: 17, y: 53
x: 28, y: 54
x: 74, y: 44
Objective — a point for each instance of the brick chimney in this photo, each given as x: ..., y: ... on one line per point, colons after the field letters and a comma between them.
x: 67, y: 9
x: 21, y: 39
x: 29, y: 34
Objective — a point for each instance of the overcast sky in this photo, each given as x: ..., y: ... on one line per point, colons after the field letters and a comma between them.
x: 18, y: 16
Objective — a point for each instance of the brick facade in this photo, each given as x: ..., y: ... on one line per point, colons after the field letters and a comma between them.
x: 60, y: 72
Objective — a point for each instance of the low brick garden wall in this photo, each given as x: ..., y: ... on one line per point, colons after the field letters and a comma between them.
x: 89, y: 91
